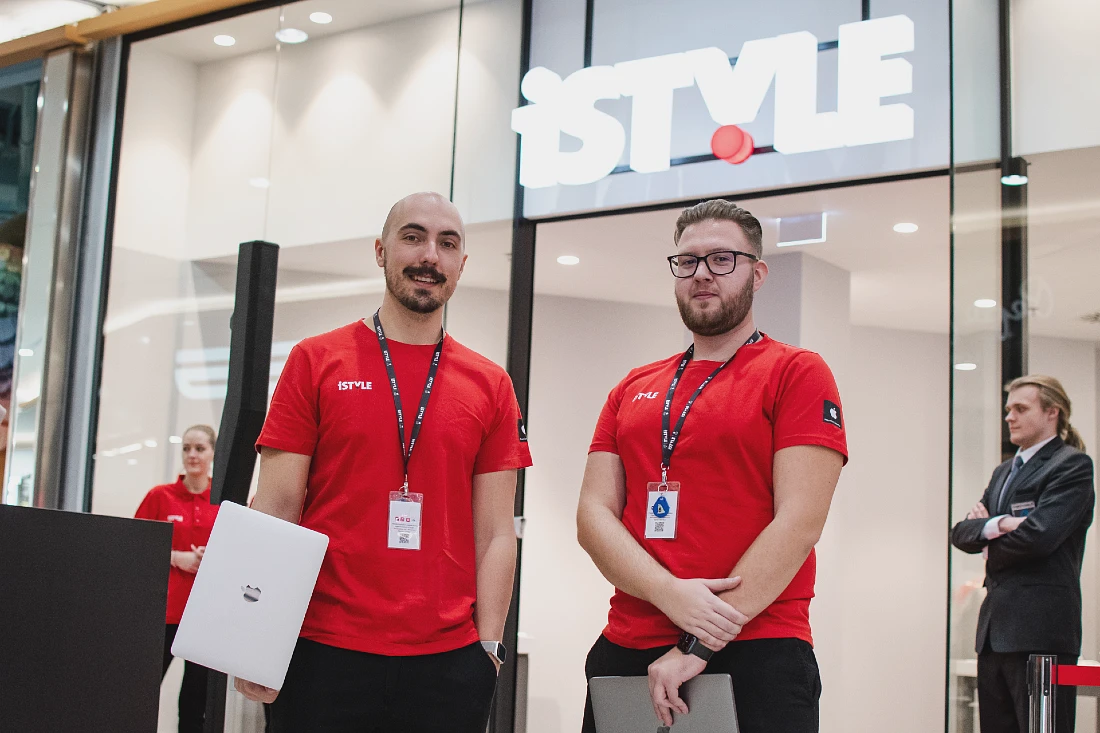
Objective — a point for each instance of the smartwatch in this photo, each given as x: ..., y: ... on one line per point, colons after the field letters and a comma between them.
x: 689, y: 644
x: 496, y: 650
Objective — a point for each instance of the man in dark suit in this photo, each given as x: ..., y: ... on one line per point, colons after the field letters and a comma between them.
x: 1031, y: 525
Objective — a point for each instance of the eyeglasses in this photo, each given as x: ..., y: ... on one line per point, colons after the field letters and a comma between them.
x: 719, y: 263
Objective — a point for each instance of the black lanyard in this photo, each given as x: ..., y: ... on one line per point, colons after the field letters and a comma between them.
x: 668, y: 439
x: 406, y: 453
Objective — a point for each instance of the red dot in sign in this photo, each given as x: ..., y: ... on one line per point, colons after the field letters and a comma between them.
x: 731, y: 144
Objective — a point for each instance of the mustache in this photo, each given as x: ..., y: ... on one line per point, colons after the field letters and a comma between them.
x: 425, y: 271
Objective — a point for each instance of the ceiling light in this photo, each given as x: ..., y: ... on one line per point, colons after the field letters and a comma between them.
x: 150, y: 443
x: 985, y: 303
x: 905, y: 227
x: 1014, y: 180
x: 175, y: 439
x: 26, y: 352
x: 568, y: 260
x: 130, y: 448
x: 224, y: 40
x: 966, y: 366
x: 320, y: 18
x: 259, y: 182
x: 291, y: 35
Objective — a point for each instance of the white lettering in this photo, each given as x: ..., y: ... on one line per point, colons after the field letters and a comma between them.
x: 733, y: 96
x: 344, y: 386
x: 645, y: 395
x: 651, y: 83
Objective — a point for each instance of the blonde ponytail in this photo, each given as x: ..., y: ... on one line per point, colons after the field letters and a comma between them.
x: 1052, y: 394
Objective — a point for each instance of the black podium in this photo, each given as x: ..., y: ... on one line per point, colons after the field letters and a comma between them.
x: 82, y: 605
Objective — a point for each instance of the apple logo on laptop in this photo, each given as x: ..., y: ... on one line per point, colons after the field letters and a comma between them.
x: 251, y: 594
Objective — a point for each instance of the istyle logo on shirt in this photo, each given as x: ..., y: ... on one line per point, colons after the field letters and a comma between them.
x: 645, y: 396
x: 344, y: 386
x: 175, y: 517
x: 522, y: 431
x: 832, y: 414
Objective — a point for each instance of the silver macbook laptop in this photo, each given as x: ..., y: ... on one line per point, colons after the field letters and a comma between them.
x: 250, y: 595
x: 622, y: 705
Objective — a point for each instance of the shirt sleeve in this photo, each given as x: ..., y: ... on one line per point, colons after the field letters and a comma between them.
x: 149, y: 507
x: 991, y: 530
x: 606, y: 437
x: 294, y: 416
x: 808, y: 410
x: 505, y: 446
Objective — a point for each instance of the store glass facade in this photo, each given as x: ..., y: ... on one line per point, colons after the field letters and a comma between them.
x: 868, y: 142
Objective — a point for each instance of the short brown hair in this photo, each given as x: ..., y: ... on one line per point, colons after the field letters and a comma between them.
x: 1052, y: 394
x: 722, y: 210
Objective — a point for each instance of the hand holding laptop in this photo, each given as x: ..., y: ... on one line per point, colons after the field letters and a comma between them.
x: 665, y: 677
x: 254, y: 692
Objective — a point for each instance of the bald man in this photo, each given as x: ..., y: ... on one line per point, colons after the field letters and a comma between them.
x: 415, y: 494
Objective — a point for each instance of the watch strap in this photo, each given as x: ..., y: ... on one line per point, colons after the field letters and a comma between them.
x: 497, y: 649
x: 690, y: 644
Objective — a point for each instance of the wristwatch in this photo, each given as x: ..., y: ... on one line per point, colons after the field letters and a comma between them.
x: 689, y: 644
x: 496, y: 650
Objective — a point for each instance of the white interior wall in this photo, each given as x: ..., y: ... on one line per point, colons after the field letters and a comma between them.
x: 1054, y: 52
x: 580, y: 350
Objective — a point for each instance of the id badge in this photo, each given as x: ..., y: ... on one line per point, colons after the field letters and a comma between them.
x: 1023, y: 508
x: 404, y: 533
x: 660, y: 519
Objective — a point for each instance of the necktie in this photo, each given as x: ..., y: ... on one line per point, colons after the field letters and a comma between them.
x: 1016, y: 466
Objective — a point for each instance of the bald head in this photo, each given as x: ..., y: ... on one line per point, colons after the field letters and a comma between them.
x: 419, y: 205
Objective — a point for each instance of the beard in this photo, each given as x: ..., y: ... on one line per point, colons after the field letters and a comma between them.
x: 418, y: 300
x: 729, y: 314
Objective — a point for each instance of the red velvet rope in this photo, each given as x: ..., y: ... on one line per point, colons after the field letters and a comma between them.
x: 1073, y: 675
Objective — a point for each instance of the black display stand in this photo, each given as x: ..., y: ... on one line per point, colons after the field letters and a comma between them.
x: 82, y: 606
x: 245, y: 406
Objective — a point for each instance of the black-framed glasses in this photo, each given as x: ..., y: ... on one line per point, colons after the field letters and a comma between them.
x: 719, y: 263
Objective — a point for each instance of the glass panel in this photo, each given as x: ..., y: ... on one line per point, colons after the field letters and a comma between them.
x: 19, y: 87
x: 978, y: 317
x: 873, y: 301
x: 483, y: 186
x: 305, y: 143
x: 1063, y: 305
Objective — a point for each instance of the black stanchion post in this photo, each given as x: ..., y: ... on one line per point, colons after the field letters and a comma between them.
x: 1041, y: 691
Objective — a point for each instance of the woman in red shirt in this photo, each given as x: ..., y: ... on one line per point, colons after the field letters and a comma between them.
x: 186, y: 504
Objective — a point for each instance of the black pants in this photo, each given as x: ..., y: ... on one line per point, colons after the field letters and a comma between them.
x: 192, y: 702
x: 1002, y: 694
x: 332, y: 690
x: 776, y: 684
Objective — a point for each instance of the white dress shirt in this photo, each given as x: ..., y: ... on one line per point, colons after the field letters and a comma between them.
x: 991, y: 531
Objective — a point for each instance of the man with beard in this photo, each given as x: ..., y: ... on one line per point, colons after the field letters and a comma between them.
x: 707, y: 486
x: 416, y: 496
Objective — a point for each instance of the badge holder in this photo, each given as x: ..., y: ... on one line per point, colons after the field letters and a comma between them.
x: 405, y: 514
x: 661, y: 508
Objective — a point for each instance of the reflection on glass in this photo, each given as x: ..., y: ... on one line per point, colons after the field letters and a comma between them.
x: 18, y: 119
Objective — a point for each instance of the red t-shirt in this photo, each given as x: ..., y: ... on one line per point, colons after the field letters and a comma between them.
x: 772, y: 396
x: 334, y: 403
x: 192, y: 517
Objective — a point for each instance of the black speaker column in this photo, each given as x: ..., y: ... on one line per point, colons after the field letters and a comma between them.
x: 245, y: 405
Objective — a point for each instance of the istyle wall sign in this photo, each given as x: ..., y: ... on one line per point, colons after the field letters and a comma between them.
x: 733, y: 94
x: 690, y: 99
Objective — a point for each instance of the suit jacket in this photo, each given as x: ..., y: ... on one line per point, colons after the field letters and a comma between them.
x: 1033, y: 574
